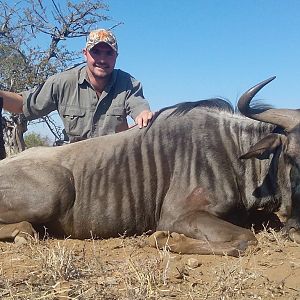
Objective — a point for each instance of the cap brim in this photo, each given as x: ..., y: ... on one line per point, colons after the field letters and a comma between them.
x: 89, y: 47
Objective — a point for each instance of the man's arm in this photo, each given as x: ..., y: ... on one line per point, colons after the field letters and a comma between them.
x: 12, y: 102
x: 137, y: 105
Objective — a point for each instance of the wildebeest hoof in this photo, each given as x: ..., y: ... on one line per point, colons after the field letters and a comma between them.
x: 20, y: 240
x: 294, y: 235
x: 20, y: 232
x: 154, y: 239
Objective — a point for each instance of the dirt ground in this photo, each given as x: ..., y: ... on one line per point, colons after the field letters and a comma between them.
x: 127, y: 268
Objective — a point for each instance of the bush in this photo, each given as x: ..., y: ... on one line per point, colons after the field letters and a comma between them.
x: 34, y: 139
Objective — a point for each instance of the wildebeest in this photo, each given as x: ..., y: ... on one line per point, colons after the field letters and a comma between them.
x: 197, y: 173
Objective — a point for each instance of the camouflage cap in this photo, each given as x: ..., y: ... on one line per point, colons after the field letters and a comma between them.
x: 101, y: 36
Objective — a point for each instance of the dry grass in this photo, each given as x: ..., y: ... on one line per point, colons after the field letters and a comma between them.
x: 126, y: 268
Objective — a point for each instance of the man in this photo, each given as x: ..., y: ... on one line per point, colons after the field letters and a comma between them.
x: 93, y: 100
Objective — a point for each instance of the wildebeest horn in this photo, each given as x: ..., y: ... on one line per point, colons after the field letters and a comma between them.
x: 286, y: 118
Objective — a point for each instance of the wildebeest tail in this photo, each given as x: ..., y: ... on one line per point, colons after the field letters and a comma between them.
x: 2, y: 147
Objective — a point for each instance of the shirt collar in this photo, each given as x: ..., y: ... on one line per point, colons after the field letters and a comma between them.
x: 82, y: 75
x: 84, y: 78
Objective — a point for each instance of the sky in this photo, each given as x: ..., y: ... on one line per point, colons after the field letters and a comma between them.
x: 191, y: 50
x: 195, y: 49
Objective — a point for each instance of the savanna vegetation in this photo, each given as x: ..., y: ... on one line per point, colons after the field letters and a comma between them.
x: 36, y: 42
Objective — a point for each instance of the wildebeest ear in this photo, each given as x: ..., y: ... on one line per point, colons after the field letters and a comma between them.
x: 265, y: 147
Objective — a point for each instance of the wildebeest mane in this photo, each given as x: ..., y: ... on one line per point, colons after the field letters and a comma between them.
x: 214, y: 103
x: 259, y: 106
x: 184, y: 107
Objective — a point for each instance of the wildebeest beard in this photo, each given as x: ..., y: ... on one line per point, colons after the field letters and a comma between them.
x: 267, y: 190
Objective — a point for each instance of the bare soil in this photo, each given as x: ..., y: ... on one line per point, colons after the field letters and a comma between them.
x: 127, y: 268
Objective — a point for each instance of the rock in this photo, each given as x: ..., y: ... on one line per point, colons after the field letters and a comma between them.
x: 193, y: 263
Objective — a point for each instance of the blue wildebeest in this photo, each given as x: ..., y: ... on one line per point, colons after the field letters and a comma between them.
x: 197, y: 173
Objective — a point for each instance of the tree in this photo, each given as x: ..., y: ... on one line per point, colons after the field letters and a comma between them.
x: 26, y: 62
x: 34, y: 139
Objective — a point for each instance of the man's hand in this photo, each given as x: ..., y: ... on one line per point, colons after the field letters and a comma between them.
x: 143, y: 118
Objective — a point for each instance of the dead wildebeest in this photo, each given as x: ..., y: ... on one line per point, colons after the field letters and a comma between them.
x: 197, y: 172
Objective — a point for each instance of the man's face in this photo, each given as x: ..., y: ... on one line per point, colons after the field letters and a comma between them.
x: 101, y: 60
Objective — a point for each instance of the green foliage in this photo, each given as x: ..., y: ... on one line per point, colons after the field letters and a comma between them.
x: 34, y: 139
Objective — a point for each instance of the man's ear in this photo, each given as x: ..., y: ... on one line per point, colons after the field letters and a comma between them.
x: 265, y: 147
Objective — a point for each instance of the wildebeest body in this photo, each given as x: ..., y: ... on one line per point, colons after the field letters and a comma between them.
x: 179, y: 174
x: 120, y: 182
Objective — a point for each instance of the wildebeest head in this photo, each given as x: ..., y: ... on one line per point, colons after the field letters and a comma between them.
x: 287, y: 141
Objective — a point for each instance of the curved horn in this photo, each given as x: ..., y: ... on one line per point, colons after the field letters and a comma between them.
x: 286, y: 118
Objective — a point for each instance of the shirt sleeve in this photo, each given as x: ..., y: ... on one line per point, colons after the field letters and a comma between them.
x: 135, y: 102
x: 39, y: 101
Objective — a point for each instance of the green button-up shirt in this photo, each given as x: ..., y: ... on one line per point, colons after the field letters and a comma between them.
x: 84, y: 114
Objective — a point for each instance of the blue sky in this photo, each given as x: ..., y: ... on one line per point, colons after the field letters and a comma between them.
x: 190, y: 50
x: 194, y: 49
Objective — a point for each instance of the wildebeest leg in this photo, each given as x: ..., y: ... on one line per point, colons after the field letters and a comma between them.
x: 292, y: 225
x: 291, y: 230
x: 209, y: 232
x: 17, y: 232
x: 294, y: 235
x: 178, y: 242
x: 206, y: 234
x: 38, y: 192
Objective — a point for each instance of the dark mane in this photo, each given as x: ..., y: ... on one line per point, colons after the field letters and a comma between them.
x: 214, y: 103
x: 261, y: 106
x: 184, y: 107
x: 258, y: 105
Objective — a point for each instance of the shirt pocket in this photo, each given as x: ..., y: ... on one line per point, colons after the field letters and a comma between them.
x: 74, y: 120
x: 117, y: 119
x: 117, y: 112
